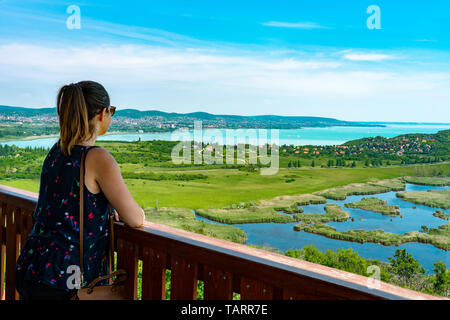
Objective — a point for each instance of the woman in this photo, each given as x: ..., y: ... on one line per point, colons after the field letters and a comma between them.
x: 44, y: 268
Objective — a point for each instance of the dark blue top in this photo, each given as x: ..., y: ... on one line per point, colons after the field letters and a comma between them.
x: 54, y: 243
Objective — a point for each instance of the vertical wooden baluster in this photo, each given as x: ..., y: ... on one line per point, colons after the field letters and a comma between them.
x: 12, y: 252
x: 26, y: 227
x: 127, y: 259
x: 255, y: 290
x: 183, y: 279
x: 2, y: 250
x: 217, y: 284
x: 153, y: 274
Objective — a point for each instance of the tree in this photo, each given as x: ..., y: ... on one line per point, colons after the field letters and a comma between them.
x: 441, y: 281
x: 406, y: 267
x: 312, y: 164
x: 346, y: 259
x: 330, y: 163
x: 353, y: 164
x: 298, y: 164
x: 289, y: 164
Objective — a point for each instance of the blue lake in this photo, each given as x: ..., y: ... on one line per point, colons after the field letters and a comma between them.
x: 283, y: 237
x: 304, y: 136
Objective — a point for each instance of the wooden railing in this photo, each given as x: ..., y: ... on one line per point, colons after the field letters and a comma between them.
x: 224, y: 267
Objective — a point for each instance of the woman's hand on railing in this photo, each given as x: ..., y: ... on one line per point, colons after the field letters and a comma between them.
x: 117, y: 218
x: 143, y: 219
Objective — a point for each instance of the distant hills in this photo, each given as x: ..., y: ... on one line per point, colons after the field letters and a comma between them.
x: 269, y: 120
x: 211, y: 120
x: 26, y: 112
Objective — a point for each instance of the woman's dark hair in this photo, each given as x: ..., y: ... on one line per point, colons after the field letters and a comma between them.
x: 77, y: 104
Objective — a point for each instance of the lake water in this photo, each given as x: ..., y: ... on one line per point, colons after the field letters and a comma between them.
x: 283, y: 237
x: 305, y: 136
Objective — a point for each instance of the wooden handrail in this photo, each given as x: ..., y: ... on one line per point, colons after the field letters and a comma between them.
x: 224, y: 267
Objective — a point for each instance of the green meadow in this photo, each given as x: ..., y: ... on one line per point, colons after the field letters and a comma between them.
x: 224, y: 187
x: 152, y: 177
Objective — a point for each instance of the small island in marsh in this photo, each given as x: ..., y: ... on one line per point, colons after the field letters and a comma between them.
x: 441, y: 214
x: 431, y: 198
x: 440, y: 237
x: 429, y: 181
x: 382, y: 186
x: 333, y: 212
x: 376, y: 205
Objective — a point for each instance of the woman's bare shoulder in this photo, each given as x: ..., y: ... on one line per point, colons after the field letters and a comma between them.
x: 100, y: 156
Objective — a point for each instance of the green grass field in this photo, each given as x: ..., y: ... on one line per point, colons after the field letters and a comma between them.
x: 224, y: 187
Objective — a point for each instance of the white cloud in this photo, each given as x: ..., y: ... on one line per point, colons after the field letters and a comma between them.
x: 223, y: 82
x: 367, y: 56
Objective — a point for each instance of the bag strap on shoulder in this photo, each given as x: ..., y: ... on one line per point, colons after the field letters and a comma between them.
x: 111, y: 218
x: 81, y: 215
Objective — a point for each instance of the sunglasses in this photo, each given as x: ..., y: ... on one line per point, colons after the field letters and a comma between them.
x: 112, y: 110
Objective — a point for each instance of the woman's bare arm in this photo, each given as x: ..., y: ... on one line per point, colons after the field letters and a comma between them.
x: 109, y: 178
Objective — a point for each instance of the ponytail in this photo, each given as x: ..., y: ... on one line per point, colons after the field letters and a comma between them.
x: 77, y: 103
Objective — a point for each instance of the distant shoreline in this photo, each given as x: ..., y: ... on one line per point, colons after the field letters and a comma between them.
x: 47, y: 136
x: 324, y: 140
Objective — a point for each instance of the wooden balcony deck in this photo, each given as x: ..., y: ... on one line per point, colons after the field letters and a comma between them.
x: 224, y: 267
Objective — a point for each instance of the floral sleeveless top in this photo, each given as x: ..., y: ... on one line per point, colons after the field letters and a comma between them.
x: 54, y: 243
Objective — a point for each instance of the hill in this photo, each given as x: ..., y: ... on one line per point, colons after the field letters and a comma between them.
x: 157, y: 117
x: 437, y: 145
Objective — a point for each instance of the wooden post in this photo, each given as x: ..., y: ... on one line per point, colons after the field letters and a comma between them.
x: 183, y: 279
x: 12, y: 252
x: 153, y: 274
x: 127, y: 259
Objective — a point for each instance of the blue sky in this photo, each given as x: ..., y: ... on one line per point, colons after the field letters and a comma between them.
x: 312, y: 58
